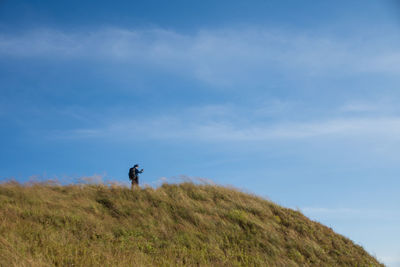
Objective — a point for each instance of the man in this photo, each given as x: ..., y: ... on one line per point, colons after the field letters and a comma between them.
x: 134, y: 175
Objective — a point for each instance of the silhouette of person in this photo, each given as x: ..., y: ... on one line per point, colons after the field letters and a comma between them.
x: 134, y: 175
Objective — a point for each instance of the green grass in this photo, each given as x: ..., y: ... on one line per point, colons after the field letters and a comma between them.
x: 174, y: 225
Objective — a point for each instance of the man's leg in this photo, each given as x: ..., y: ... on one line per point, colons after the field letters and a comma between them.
x: 134, y: 184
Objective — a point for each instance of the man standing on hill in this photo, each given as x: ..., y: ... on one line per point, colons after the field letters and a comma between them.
x: 134, y: 175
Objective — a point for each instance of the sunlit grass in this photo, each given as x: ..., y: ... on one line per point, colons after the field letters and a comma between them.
x: 183, y: 224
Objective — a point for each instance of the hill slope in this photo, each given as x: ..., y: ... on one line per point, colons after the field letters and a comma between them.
x: 186, y: 224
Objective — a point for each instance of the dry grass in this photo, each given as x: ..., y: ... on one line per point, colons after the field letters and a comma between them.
x: 174, y: 225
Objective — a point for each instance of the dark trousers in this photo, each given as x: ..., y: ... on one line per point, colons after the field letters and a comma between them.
x: 135, y: 183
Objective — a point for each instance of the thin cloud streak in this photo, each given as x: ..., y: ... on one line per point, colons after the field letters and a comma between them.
x: 226, y: 131
x: 351, y: 213
x: 220, y: 57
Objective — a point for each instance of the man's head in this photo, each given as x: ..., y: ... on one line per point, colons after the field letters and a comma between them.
x: 136, y: 166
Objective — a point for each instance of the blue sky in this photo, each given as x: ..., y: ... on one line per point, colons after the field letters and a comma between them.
x: 296, y: 101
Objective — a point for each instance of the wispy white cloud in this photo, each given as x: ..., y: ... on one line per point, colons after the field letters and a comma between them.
x: 196, y: 125
x: 359, y: 107
x: 222, y: 57
x: 349, y: 213
x: 378, y: 106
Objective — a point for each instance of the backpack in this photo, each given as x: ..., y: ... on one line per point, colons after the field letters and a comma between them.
x: 132, y: 174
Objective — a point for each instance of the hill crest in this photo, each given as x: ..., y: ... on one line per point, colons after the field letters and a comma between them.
x: 173, y: 225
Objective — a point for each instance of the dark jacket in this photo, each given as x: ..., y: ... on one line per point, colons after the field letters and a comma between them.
x: 134, y: 173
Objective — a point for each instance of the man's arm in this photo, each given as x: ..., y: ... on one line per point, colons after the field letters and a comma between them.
x: 137, y: 171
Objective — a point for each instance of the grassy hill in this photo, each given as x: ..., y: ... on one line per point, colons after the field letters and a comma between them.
x: 185, y: 224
